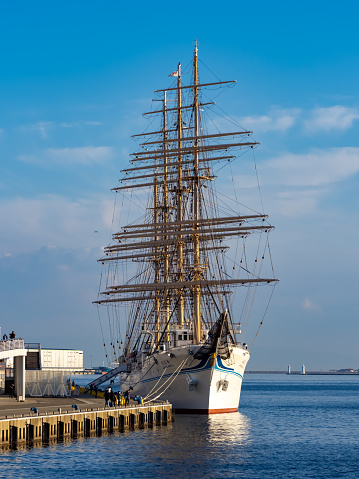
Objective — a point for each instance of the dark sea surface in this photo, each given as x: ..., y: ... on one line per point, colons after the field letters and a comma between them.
x: 286, y: 427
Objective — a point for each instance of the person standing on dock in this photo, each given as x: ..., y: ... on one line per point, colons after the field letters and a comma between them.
x: 107, y: 397
x: 112, y: 397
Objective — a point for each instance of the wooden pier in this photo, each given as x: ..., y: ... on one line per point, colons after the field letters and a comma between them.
x: 37, y: 428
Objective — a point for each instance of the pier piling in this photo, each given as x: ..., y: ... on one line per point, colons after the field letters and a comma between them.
x: 44, y: 428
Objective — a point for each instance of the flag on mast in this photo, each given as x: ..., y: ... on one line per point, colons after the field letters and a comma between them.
x: 174, y: 74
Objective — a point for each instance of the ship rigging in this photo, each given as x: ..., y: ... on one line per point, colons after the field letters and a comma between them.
x: 180, y: 295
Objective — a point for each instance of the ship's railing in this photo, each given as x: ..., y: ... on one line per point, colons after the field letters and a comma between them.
x: 11, y: 344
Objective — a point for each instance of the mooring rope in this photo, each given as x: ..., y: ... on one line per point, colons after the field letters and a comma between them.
x: 156, y: 383
x: 178, y: 370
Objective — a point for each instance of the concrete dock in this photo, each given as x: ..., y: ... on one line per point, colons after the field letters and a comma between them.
x: 57, y: 419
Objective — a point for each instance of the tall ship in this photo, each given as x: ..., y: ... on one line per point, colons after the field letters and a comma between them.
x: 167, y: 273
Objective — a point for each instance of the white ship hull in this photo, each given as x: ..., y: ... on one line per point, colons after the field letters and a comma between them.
x: 192, y: 385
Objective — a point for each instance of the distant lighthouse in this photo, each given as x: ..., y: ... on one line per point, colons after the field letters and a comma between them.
x: 288, y: 369
x: 303, y: 369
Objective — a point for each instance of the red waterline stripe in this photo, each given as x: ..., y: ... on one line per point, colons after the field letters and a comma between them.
x: 205, y: 411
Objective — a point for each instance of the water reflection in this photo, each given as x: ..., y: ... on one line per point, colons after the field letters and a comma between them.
x: 200, y: 440
x: 231, y: 429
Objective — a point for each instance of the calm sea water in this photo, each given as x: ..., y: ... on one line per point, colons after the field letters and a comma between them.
x: 286, y: 427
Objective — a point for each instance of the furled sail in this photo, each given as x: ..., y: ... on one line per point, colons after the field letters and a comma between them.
x: 218, y: 340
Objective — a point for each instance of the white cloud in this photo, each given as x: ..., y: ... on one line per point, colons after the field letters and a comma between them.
x: 324, y: 119
x: 42, y: 127
x: 336, y: 117
x: 80, y: 123
x: 31, y: 223
x: 5, y: 254
x: 63, y: 267
x: 316, y: 168
x: 64, y: 124
x: 86, y: 155
x: 309, y: 305
x: 294, y: 184
x: 83, y: 155
x: 277, y: 120
x: 296, y: 202
x: 93, y: 123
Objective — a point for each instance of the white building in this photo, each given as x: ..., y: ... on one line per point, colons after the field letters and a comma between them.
x: 62, y: 360
x: 67, y: 360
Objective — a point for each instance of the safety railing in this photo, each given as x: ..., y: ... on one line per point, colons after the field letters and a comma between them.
x: 11, y: 344
x: 33, y: 346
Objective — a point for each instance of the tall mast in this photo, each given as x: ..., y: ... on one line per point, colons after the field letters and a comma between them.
x: 157, y: 264
x: 165, y: 209
x: 180, y: 307
x: 196, y: 259
x: 179, y: 235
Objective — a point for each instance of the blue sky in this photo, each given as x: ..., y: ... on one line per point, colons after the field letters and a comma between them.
x: 74, y: 80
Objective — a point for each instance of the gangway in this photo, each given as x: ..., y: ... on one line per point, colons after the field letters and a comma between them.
x: 106, y: 377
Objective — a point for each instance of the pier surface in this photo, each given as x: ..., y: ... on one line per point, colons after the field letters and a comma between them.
x: 9, y: 405
x: 45, y: 420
